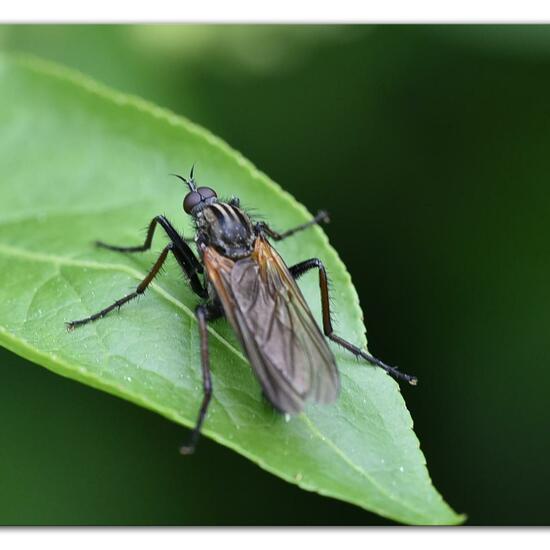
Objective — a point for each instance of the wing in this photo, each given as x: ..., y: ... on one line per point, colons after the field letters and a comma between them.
x: 284, y: 344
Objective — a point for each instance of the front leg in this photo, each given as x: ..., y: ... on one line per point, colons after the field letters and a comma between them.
x: 262, y: 227
x: 181, y: 250
x: 185, y: 258
x: 160, y: 220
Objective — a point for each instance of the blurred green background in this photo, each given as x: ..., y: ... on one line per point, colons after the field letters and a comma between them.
x: 437, y: 183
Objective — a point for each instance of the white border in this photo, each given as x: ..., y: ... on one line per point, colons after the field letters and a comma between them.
x: 266, y: 539
x: 281, y: 11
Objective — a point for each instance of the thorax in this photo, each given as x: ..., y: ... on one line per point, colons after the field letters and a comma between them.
x: 227, y: 228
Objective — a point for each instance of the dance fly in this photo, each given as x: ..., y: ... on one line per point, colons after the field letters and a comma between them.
x: 238, y: 275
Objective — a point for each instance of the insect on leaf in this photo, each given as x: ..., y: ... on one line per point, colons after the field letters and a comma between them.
x: 81, y: 162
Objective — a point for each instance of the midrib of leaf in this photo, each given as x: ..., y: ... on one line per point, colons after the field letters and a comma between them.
x: 170, y: 413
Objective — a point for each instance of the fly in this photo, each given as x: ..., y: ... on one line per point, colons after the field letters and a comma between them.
x: 240, y: 276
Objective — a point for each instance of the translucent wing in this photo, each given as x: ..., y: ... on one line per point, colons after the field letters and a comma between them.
x: 288, y: 352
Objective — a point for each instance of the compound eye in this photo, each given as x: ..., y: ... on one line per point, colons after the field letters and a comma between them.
x: 191, y: 200
x: 206, y: 192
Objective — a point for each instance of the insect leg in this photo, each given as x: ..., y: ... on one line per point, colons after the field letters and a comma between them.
x: 119, y: 303
x: 297, y: 271
x: 148, y: 239
x: 184, y: 255
x: 321, y: 217
x: 203, y: 313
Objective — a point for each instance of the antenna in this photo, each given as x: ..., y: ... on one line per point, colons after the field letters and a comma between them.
x: 190, y: 182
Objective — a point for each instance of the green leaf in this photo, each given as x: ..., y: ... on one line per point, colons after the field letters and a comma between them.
x: 81, y: 162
